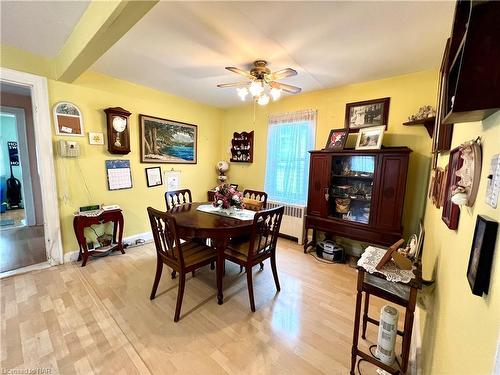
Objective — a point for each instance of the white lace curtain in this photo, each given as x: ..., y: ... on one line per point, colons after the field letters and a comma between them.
x: 308, y: 115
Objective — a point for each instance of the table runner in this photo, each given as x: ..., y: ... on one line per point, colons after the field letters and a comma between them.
x: 240, y: 214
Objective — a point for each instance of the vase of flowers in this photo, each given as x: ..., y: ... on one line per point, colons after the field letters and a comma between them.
x: 228, y: 198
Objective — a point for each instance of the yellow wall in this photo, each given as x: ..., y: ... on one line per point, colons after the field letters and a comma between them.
x: 460, y: 329
x: 407, y: 92
x: 94, y: 92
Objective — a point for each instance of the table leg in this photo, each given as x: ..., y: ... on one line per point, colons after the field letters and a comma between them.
x: 365, y: 315
x: 220, y: 245
x: 357, y: 313
x: 120, y: 232
x: 408, y: 329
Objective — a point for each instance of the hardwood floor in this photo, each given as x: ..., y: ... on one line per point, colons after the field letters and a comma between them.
x: 99, y: 319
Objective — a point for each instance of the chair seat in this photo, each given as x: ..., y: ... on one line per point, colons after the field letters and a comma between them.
x: 197, y: 253
x: 239, y: 249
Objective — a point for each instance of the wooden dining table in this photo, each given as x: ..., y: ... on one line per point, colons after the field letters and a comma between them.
x: 192, y: 223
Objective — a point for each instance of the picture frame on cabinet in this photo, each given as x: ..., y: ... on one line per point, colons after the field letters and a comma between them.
x: 481, y: 255
x: 366, y: 113
x: 451, y: 211
x: 337, y: 139
x: 370, y: 138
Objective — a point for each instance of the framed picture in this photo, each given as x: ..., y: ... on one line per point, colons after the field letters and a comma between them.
x: 370, y: 138
x: 360, y: 115
x: 68, y: 119
x: 481, y: 255
x: 96, y: 138
x: 167, y: 141
x: 451, y: 212
x: 234, y: 186
x: 336, y: 139
x: 153, y: 176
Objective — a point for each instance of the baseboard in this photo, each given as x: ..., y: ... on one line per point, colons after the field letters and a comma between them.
x: 415, y: 365
x: 72, y: 256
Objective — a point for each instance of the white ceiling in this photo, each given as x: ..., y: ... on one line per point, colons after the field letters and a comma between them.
x: 182, y: 48
x: 40, y: 27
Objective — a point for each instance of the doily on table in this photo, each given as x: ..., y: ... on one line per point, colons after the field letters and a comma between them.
x: 371, y: 257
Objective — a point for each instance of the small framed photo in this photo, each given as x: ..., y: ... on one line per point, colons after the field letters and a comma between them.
x: 153, y: 176
x: 367, y: 113
x: 481, y: 255
x: 337, y: 139
x: 96, y: 138
x: 370, y: 138
x: 234, y: 186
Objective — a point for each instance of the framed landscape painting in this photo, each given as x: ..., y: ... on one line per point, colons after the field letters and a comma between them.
x: 360, y: 115
x: 167, y: 141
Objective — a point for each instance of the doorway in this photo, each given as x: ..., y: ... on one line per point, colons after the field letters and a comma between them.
x: 30, y: 235
x: 22, y: 238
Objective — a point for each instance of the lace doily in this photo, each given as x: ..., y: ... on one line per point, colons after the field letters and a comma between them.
x: 371, y: 257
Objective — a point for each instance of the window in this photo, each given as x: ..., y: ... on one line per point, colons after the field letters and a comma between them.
x: 290, y: 137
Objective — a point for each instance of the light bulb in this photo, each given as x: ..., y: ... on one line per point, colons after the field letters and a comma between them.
x: 256, y: 88
x: 242, y: 92
x: 275, y: 93
x: 263, y: 99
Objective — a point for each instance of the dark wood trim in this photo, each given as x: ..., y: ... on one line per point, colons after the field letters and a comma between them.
x: 451, y: 212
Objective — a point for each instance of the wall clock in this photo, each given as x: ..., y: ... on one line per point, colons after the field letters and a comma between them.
x: 118, y: 130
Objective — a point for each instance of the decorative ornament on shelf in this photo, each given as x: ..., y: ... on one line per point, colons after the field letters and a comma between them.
x: 222, y: 167
x: 424, y: 112
x: 465, y: 191
x: 227, y: 197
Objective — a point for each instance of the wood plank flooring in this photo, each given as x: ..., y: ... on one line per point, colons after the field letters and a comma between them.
x: 99, y: 319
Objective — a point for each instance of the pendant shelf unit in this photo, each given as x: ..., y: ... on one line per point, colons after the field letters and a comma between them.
x: 242, y: 147
x: 427, y: 122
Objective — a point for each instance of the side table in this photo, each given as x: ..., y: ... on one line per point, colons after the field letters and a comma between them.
x: 80, y: 222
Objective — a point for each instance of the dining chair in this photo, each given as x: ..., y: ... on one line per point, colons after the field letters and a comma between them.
x: 262, y: 245
x: 256, y: 195
x: 183, y: 258
x: 176, y: 197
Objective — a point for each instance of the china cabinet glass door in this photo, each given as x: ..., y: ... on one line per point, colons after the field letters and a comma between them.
x: 351, y: 187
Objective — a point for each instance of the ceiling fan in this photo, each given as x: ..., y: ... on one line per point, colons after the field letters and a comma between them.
x: 261, y: 82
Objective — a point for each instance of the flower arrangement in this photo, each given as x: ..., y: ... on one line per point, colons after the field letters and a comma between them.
x: 227, y: 197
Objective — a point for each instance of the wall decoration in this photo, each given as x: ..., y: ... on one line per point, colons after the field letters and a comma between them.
x: 167, y: 141
x: 173, y: 180
x: 68, y: 119
x: 118, y: 130
x: 370, y: 138
x: 481, y: 255
x: 242, y: 147
x: 451, y: 211
x: 366, y: 113
x: 438, y: 186
x: 153, y: 176
x: 337, y: 139
x: 119, y: 174
x: 493, y: 185
x: 424, y: 112
x: 465, y: 191
x: 96, y: 138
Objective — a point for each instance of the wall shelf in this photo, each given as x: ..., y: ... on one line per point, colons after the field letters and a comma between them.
x: 242, y: 147
x: 428, y: 122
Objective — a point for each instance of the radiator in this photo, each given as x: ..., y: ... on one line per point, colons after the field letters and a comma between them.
x: 293, y: 219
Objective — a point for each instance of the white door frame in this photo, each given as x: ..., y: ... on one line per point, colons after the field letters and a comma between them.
x: 44, y: 157
x: 29, y: 205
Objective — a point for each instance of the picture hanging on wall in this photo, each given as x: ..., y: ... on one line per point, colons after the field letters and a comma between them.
x: 451, y: 211
x: 96, y: 138
x: 153, y: 176
x: 167, y: 141
x: 481, y: 255
x: 68, y: 119
x: 367, y: 113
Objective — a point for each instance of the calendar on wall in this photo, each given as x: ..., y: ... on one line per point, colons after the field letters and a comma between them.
x: 119, y: 174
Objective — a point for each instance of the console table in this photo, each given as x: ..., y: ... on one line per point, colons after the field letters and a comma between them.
x: 80, y: 222
x: 403, y: 294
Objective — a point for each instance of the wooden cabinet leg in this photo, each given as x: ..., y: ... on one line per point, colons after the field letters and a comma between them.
x: 365, y: 315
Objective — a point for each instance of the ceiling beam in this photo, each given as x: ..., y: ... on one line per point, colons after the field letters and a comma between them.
x: 101, y: 26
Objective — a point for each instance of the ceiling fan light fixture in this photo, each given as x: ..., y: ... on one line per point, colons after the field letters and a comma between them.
x: 263, y: 99
x: 275, y: 93
x: 242, y: 92
x: 256, y: 88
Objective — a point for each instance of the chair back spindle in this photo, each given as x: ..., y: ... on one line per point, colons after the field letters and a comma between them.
x: 177, y: 197
x: 266, y: 226
x: 257, y: 195
x: 167, y: 242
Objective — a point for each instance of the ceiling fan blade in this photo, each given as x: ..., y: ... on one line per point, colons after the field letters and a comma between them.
x: 283, y: 73
x: 234, y: 84
x: 239, y: 71
x: 288, y: 88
